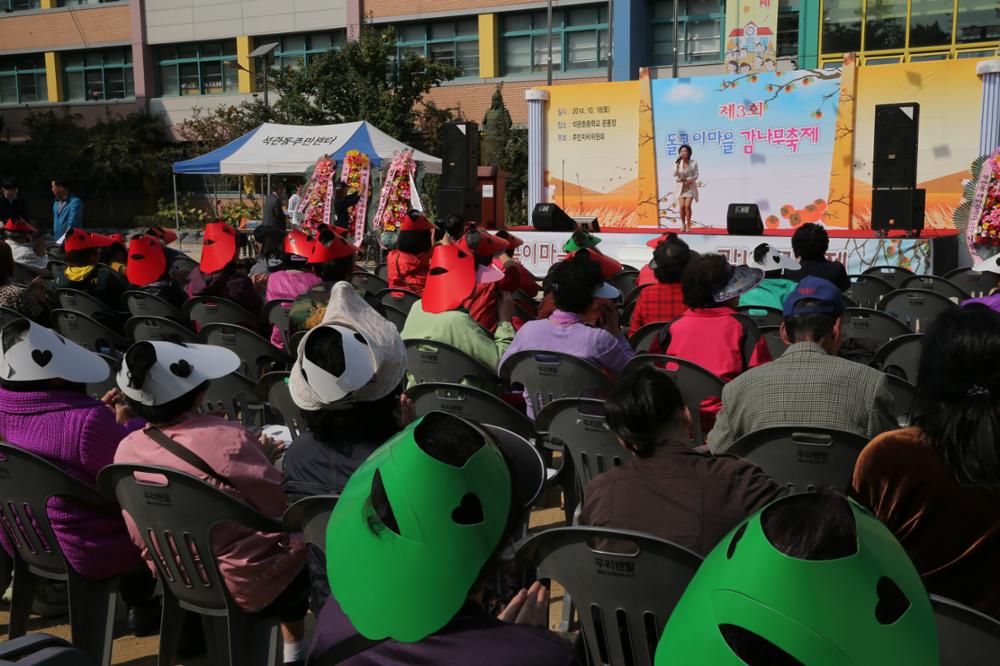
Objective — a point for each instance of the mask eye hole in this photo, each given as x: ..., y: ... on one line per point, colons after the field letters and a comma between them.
x: 437, y: 270
x: 469, y: 512
x: 380, y: 513
x: 892, y: 601
x: 753, y: 649
x: 735, y: 540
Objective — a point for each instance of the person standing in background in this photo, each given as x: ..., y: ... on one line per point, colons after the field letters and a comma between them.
x: 274, y: 214
x: 293, y: 206
x: 342, y: 205
x: 67, y: 209
x: 12, y: 207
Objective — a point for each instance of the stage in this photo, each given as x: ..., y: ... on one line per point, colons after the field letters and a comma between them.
x: 935, y: 251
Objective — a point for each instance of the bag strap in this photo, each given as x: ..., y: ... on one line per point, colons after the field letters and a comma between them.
x: 187, y: 455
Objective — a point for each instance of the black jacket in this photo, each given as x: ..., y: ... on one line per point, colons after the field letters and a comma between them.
x: 12, y: 210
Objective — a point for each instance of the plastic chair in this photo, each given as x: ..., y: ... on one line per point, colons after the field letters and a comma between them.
x: 29, y: 482
x: 470, y: 403
x: 23, y: 275
x: 938, y: 285
x: 82, y: 302
x: 233, y: 395
x: 916, y: 307
x: 257, y: 354
x: 900, y: 357
x: 176, y: 516
x: 88, y: 332
x: 432, y: 361
x: 627, y: 596
x: 396, y: 316
x: 144, y: 304
x: 158, y: 329
x: 867, y: 290
x: 625, y: 280
x: 309, y: 516
x: 368, y: 283
x: 41, y: 650
x: 294, y: 342
x: 643, y: 339
x: 763, y: 315
x: 894, y: 275
x: 579, y: 427
x: 904, y: 396
x: 966, y: 637
x: 772, y: 338
x: 548, y: 376
x: 633, y: 295
x: 873, y: 325
x: 627, y: 310
x: 971, y: 282
x: 57, y: 267
x: 401, y: 299
x: 183, y: 262
x: 99, y: 389
x: 803, y: 458
x: 205, y: 310
x: 275, y: 313
x: 695, y: 383
x: 7, y: 316
x: 382, y: 271
x: 273, y: 388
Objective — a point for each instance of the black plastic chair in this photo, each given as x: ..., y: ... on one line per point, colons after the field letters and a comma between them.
x: 144, y: 304
x: 205, y: 310
x: 625, y: 280
x: 432, y: 361
x: 7, y: 316
x: 866, y: 324
x: 633, y: 295
x: 57, y: 267
x: 695, y: 383
x: 235, y: 397
x: 99, y: 389
x: 29, y: 482
x: 643, y: 339
x: 177, y: 515
x: 88, y: 332
x: 41, y: 650
x: 579, y: 428
x: 803, y: 458
x: 627, y: 310
x: 154, y: 329
x: 763, y: 315
x: 275, y: 313
x: 294, y: 342
x: 79, y: 301
x: 23, y: 275
x: 904, y: 396
x: 867, y: 290
x: 183, y: 262
x: 772, y: 338
x: 396, y: 316
x: 548, y: 376
x: 273, y: 388
x: 382, y: 271
x: 309, y: 516
x: 894, y: 275
x: 916, y: 307
x: 368, y: 283
x: 401, y: 299
x: 257, y: 355
x: 972, y: 282
x: 900, y: 357
x: 470, y: 403
x: 625, y: 597
x: 966, y: 637
x: 938, y: 285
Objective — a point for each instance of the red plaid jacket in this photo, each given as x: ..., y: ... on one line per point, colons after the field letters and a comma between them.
x: 659, y: 301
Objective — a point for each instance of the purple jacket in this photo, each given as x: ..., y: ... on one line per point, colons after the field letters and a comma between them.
x: 80, y: 435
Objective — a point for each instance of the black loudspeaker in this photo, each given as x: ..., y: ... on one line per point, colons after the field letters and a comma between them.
x: 743, y: 219
x: 459, y: 201
x: 550, y: 217
x: 459, y: 155
x: 899, y: 209
x: 895, y: 156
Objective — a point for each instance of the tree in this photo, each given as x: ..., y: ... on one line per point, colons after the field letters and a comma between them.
x: 211, y: 129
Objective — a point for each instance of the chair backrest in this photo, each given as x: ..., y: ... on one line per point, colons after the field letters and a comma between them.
x: 145, y: 327
x: 310, y: 515
x: 772, y: 338
x: 763, y: 315
x: 867, y: 290
x: 42, y: 650
x: 917, y: 307
x: 23, y: 275
x: 175, y: 513
x: 81, y: 301
x: 873, y: 325
x: 382, y: 270
x: 273, y: 387
x: 900, y: 357
x: 294, y: 342
x: 184, y: 263
x: 803, y: 458
x: 205, y: 310
x: 232, y: 395
x: 904, y: 395
x: 625, y: 598
x: 643, y: 339
x: 368, y: 283
x: 972, y: 282
x: 395, y: 315
x: 625, y: 280
x: 894, y: 275
x: 432, y: 361
x: 633, y: 295
x: 99, y: 389
x: 938, y: 285
x: 276, y: 312
x: 695, y: 383
x: 580, y: 428
x: 88, y: 332
x: 401, y: 299
x: 470, y: 403
x: 57, y: 267
x: 548, y: 376
x: 144, y: 304
x: 255, y: 352
x: 7, y: 316
x: 966, y: 637
x: 28, y: 483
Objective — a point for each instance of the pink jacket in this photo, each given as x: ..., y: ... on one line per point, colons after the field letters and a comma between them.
x: 256, y: 566
x: 287, y: 286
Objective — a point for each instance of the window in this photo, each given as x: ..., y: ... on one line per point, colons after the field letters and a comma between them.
x: 452, y: 42
x: 978, y: 21
x: 97, y: 75
x: 19, y: 5
x: 297, y: 50
x: 885, y: 25
x: 699, y: 30
x: 788, y: 28
x: 841, y: 26
x: 930, y: 22
x: 197, y: 69
x: 22, y: 79
x: 74, y: 3
x: 579, y: 33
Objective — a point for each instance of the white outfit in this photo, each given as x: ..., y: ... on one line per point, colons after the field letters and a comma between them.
x: 687, y: 180
x: 24, y: 254
x: 293, y: 206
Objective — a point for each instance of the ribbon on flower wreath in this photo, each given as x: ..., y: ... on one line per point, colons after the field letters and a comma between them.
x: 356, y: 175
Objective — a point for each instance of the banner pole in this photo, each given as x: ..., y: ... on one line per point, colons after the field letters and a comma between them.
x: 674, y: 39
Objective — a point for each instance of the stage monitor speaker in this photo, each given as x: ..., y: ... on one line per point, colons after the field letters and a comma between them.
x: 459, y: 155
x: 588, y: 223
x: 898, y: 209
x: 743, y: 219
x: 897, y: 127
x: 550, y: 217
x: 459, y: 201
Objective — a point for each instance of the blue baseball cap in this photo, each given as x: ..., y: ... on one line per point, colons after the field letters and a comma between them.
x: 811, y: 288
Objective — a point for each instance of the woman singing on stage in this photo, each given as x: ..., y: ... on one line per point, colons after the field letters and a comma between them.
x: 686, y: 175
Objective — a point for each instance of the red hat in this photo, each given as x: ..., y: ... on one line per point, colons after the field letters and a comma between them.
x: 298, y: 243
x: 451, y: 279
x: 415, y: 223
x: 656, y: 241
x: 118, y: 238
x: 482, y: 243
x: 218, y: 247
x: 168, y: 236
x: 80, y: 239
x: 336, y: 248
x: 19, y: 225
x: 609, y: 267
x: 146, y: 261
x: 513, y: 242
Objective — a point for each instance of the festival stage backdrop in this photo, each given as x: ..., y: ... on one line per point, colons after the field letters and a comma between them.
x: 761, y: 138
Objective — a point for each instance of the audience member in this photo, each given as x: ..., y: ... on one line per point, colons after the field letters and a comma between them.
x: 217, y: 274
x: 84, y: 271
x: 12, y: 207
x: 410, y: 261
x: 67, y: 209
x: 810, y: 579
x: 292, y: 279
x: 488, y: 250
x: 270, y: 252
x: 646, y: 274
x: 18, y: 234
x: 347, y: 380
x: 450, y: 229
x: 147, y: 269
x: 26, y: 301
x: 991, y: 266
x: 664, y: 299
x: 163, y: 383
x: 937, y: 485
x: 45, y: 409
x: 452, y: 496
x: 603, y: 312
x: 774, y: 288
x: 809, y: 385
x: 115, y: 256
x: 333, y: 259
x: 526, y: 281
x: 809, y: 245
x: 667, y: 488
x: 581, y: 240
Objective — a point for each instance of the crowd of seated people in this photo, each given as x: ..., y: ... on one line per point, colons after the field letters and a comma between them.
x: 418, y: 563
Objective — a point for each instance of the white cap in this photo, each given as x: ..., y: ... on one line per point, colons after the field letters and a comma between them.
x: 991, y: 265
x: 179, y: 369
x: 607, y: 290
x: 358, y: 360
x: 34, y: 353
x: 768, y: 258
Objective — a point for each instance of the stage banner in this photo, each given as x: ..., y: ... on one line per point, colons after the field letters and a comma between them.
x: 757, y: 138
x: 591, y: 150
x: 752, y: 42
